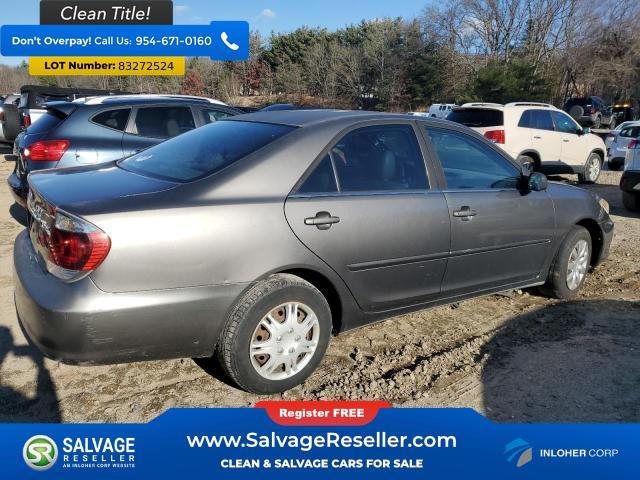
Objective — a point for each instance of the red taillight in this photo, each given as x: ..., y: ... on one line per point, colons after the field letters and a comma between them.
x: 27, y: 120
x: 1, y: 116
x: 633, y: 144
x: 78, y: 251
x: 71, y: 246
x: 496, y: 136
x: 46, y: 151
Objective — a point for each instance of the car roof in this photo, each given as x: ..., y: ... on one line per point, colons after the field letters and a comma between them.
x: 303, y: 118
x: 145, y: 98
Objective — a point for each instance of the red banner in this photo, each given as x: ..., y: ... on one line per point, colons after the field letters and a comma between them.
x: 322, y: 413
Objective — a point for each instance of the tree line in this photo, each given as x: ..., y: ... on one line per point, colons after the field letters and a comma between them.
x: 454, y: 51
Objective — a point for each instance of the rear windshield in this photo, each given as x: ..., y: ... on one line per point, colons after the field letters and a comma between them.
x: 33, y: 100
x: 477, y: 117
x: 206, y: 150
x: 583, y: 102
x: 46, y: 122
x: 630, y: 132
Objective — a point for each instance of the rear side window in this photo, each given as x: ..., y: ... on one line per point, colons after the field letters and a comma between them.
x: 477, y: 117
x: 538, y: 119
x: 321, y: 180
x: 211, y: 116
x: 46, y: 122
x: 380, y: 158
x: 204, y: 151
x: 116, y: 119
x: 469, y: 164
x: 164, y: 122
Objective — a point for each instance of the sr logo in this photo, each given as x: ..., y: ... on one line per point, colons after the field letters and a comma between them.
x: 40, y: 452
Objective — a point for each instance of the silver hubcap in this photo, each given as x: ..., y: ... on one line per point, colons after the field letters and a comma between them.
x: 594, y: 169
x: 578, y: 262
x: 284, y: 341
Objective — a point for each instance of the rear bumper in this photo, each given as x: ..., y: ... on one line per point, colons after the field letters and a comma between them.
x: 78, y: 323
x: 630, y: 181
x: 19, y: 190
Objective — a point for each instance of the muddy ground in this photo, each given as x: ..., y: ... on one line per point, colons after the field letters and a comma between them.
x: 516, y: 357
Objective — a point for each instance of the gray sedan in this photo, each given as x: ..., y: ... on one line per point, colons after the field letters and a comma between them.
x: 251, y: 240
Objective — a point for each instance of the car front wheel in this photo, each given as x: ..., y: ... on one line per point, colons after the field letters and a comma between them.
x: 571, y: 265
x: 592, y: 169
x: 276, y: 335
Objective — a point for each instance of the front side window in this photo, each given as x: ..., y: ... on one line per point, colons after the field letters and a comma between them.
x: 204, y: 151
x: 470, y: 164
x: 164, y: 122
x: 564, y: 123
x: 379, y: 158
x: 116, y: 119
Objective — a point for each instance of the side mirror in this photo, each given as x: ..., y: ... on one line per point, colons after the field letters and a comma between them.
x: 584, y: 131
x: 537, y: 182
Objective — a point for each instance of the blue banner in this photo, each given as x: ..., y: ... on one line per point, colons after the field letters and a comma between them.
x: 396, y: 444
x: 218, y: 40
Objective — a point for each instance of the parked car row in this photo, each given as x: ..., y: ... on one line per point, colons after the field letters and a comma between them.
x: 100, y: 129
x: 538, y: 134
x: 21, y: 112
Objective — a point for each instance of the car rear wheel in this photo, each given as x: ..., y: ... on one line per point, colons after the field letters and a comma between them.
x: 631, y: 201
x: 592, y: 169
x: 276, y: 335
x: 597, y: 123
x: 571, y: 265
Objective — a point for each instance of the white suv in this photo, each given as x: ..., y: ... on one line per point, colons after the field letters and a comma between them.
x: 538, y: 134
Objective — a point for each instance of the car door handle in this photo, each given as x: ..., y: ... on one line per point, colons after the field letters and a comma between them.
x: 537, y: 137
x: 465, y: 213
x: 565, y: 140
x: 322, y: 220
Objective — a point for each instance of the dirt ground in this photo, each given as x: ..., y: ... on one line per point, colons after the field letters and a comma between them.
x: 515, y: 357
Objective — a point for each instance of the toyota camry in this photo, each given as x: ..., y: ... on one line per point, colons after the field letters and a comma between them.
x: 250, y: 241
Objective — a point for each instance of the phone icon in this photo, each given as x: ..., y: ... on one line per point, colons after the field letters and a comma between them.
x: 225, y: 39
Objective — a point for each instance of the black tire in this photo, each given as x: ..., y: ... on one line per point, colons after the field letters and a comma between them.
x: 528, y: 160
x: 233, y: 346
x: 631, y: 201
x: 597, y: 123
x: 11, y: 124
x: 614, y: 167
x: 587, y: 176
x: 556, y: 284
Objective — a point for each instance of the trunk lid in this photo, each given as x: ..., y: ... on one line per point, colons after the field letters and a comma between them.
x: 93, y: 188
